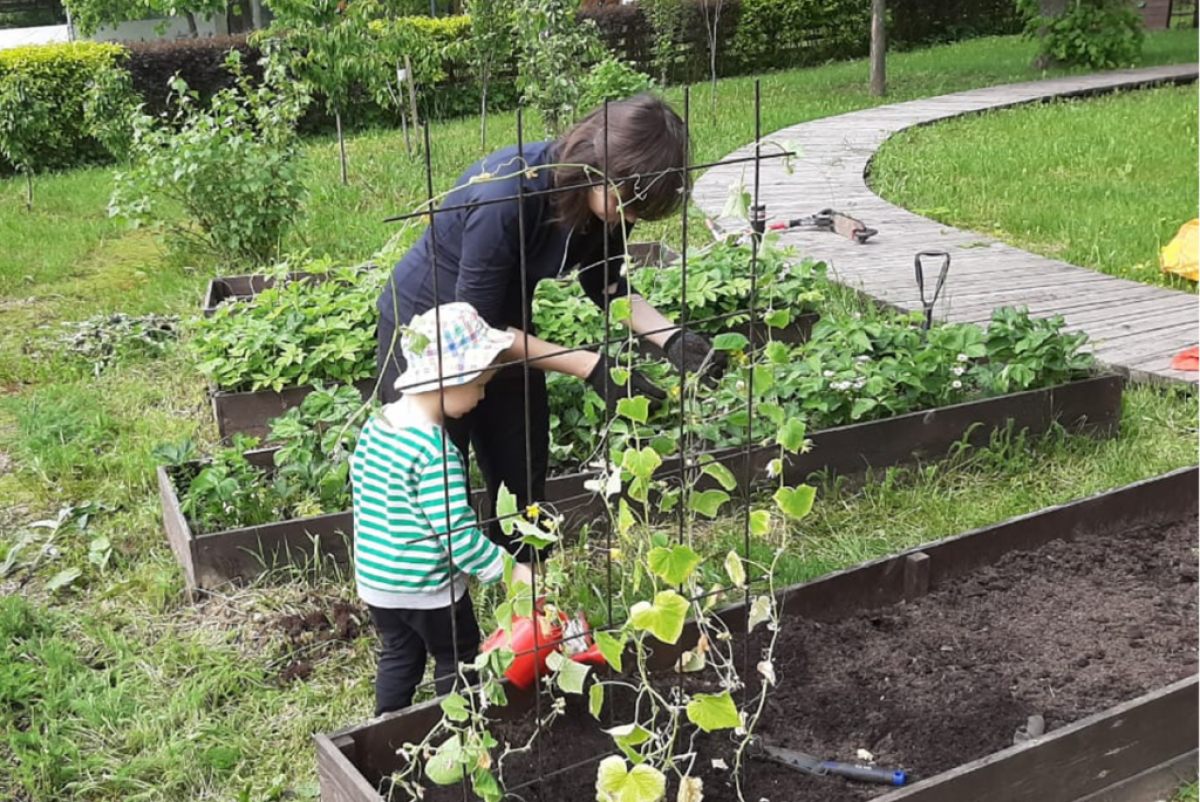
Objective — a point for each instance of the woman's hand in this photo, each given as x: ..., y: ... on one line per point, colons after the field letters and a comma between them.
x: 602, y: 381
x: 693, y: 353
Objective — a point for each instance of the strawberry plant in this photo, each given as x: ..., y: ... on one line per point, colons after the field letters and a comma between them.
x: 294, y: 334
x: 310, y: 475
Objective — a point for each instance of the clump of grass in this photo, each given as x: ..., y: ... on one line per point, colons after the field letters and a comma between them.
x: 1101, y: 183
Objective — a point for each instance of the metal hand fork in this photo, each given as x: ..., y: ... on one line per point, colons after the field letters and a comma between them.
x: 927, y: 305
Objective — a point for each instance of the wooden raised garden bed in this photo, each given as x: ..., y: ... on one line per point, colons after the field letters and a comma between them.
x: 932, y: 659
x: 1092, y: 405
x: 251, y: 412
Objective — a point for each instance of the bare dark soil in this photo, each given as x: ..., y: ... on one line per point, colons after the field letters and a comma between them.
x: 1063, y: 632
x: 308, y: 635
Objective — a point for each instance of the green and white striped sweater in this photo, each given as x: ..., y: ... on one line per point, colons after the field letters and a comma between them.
x: 402, y: 520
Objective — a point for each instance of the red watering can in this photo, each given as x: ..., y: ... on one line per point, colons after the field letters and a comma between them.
x: 551, y: 630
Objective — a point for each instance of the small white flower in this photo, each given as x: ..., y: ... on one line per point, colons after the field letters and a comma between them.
x: 767, y: 669
x: 741, y: 385
x: 956, y: 384
x: 963, y: 357
x: 774, y: 467
x: 829, y: 374
x: 959, y: 371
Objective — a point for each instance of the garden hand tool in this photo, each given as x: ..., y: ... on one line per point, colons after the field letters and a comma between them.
x: 821, y: 768
x: 825, y: 220
x: 927, y: 305
x: 829, y: 220
x: 554, y: 633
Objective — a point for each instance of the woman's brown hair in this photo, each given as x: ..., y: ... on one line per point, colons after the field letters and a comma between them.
x: 639, y: 144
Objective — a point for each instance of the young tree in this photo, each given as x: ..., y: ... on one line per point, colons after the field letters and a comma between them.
x: 666, y: 18
x: 711, y: 9
x: 491, y: 46
x: 878, y: 48
x: 324, y: 44
x: 26, y: 120
x: 555, y: 52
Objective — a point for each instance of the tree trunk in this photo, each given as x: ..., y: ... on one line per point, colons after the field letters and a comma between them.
x: 337, y: 118
x: 483, y: 112
x: 412, y: 91
x: 1048, y: 8
x: 878, y: 49
x: 193, y: 30
x: 28, y: 190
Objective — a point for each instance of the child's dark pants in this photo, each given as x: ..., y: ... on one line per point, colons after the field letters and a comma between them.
x: 408, y: 637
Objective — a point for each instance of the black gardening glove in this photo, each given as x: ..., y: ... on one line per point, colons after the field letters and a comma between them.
x: 693, y: 354
x: 601, y: 378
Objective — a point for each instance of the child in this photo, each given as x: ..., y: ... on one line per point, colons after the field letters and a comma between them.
x: 412, y: 505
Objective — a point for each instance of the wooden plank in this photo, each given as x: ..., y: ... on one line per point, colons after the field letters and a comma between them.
x: 340, y: 779
x: 251, y: 413
x: 1075, y: 761
x: 1159, y: 783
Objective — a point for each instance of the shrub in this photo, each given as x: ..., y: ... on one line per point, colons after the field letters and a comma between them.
x: 612, y: 79
x: 54, y: 77
x: 1099, y: 34
x: 233, y: 167
x: 778, y: 33
x: 199, y: 62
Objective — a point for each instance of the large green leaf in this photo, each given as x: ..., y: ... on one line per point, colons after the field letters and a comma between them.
x: 596, y: 700
x: 615, y: 782
x: 708, y: 502
x: 455, y: 707
x: 611, y: 647
x: 713, y: 712
x: 735, y: 569
x: 791, y: 435
x: 569, y: 674
x: 674, y: 565
x: 796, y: 502
x: 506, y: 508
x: 636, y: 409
x: 730, y: 341
x: 641, y: 464
x: 446, y: 765
x: 664, y: 618
x: 722, y: 474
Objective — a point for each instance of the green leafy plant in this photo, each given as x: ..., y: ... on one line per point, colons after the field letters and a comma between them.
x: 232, y: 168
x: 667, y: 19
x: 1025, y: 352
x: 1098, y: 34
x: 26, y: 121
x: 554, y: 51
x: 294, y: 334
x: 109, y: 105
x: 612, y: 79
x: 491, y: 48
x: 309, y: 474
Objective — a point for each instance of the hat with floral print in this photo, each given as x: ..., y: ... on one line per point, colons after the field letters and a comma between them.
x: 468, y: 346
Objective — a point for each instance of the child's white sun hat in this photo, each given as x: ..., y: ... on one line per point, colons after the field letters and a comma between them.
x: 468, y: 346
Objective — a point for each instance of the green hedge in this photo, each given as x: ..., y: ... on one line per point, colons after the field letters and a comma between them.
x: 59, y: 75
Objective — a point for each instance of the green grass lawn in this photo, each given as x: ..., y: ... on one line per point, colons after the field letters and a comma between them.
x: 116, y: 688
x: 1101, y: 183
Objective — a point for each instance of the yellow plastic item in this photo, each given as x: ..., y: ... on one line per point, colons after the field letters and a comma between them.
x: 1180, y: 255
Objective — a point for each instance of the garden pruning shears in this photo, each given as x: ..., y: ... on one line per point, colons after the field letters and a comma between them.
x: 927, y: 305
x: 823, y: 768
x: 824, y: 220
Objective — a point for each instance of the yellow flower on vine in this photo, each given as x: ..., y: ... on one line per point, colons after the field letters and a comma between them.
x: 533, y: 512
x: 616, y: 554
x: 676, y: 392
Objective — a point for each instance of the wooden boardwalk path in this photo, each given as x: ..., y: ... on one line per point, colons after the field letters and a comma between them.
x: 1135, y: 328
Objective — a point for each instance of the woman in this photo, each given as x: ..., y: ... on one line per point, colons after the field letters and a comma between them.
x: 491, y: 249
